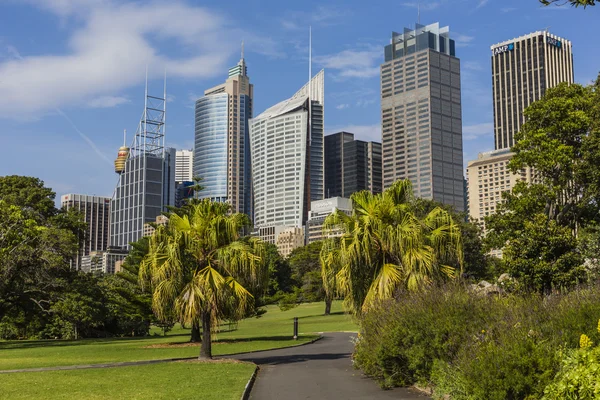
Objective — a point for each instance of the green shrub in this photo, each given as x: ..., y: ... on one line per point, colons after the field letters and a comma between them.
x: 470, y: 347
x: 579, y: 377
x: 402, y: 338
x: 512, y: 363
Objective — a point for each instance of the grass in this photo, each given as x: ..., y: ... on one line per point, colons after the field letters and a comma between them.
x: 179, y: 380
x: 272, y: 330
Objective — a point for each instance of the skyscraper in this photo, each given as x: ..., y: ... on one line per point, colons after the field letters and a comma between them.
x: 146, y: 177
x: 286, y: 143
x: 351, y: 165
x: 522, y: 70
x: 421, y: 114
x: 221, y: 152
x: 184, y: 160
x: 96, y: 213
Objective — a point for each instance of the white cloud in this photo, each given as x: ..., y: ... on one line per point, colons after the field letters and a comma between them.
x: 107, y: 101
x: 357, y: 63
x: 321, y: 16
x: 508, y: 9
x: 482, y: 3
x: 472, y: 65
x: 471, y: 132
x: 365, y: 102
x: 342, y: 106
x: 109, y: 50
x: 462, y: 40
x: 430, y: 5
x: 370, y: 133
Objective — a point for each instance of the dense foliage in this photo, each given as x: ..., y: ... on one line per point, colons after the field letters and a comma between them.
x: 386, y: 244
x: 40, y: 295
x: 472, y: 347
x: 544, y: 227
x: 200, y: 270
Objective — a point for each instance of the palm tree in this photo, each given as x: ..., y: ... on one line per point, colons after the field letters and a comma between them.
x: 385, y: 246
x: 198, y: 266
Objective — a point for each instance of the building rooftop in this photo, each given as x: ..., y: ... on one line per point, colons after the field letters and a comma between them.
x: 528, y: 36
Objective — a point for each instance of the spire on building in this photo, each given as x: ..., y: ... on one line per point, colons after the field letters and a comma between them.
x: 240, y: 69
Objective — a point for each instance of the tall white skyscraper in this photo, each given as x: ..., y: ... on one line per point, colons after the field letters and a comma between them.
x: 286, y: 146
x: 184, y: 161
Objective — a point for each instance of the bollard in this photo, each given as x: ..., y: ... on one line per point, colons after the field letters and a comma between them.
x: 295, y: 328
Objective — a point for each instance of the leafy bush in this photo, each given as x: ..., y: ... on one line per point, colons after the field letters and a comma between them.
x: 470, y: 347
x: 579, y: 377
x: 402, y: 338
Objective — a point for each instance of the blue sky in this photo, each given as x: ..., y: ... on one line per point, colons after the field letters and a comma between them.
x: 72, y: 71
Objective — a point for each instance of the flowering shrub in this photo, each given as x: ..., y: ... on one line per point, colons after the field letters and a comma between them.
x: 579, y: 376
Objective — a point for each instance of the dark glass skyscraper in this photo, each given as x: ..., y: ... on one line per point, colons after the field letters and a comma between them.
x: 351, y: 165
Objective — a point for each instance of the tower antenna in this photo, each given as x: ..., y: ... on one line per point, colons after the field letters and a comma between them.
x: 242, y: 49
x: 124, y: 137
x: 309, y: 85
x: 419, y: 12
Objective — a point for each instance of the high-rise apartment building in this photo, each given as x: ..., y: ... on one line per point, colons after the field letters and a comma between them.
x: 351, y: 165
x: 96, y: 214
x: 421, y: 114
x: 146, y: 178
x: 522, y: 70
x: 286, y: 143
x: 221, y: 151
x: 184, y: 162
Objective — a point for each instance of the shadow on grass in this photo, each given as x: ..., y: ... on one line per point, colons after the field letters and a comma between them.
x: 323, y: 315
x: 30, y: 344
x: 280, y: 338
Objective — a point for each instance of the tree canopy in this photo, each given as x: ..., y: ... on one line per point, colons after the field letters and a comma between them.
x: 386, y: 245
x: 199, y: 268
x: 539, y: 224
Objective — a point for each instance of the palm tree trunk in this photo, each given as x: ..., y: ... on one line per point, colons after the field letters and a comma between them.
x: 206, y: 349
x: 327, y: 305
x: 195, y: 332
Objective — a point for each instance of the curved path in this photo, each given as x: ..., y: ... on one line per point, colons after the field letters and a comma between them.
x: 322, y: 370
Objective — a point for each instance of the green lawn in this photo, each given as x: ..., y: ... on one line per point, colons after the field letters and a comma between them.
x: 179, y: 380
x: 272, y: 330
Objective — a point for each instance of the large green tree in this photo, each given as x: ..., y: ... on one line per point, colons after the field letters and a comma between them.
x: 37, y: 242
x: 385, y: 245
x: 198, y: 267
x: 560, y: 142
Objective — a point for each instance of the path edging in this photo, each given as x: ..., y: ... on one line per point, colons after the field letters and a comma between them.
x: 249, y: 384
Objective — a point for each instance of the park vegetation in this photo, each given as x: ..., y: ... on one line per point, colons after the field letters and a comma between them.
x: 534, y: 335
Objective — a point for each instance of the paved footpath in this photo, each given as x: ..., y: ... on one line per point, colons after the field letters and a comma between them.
x: 322, y: 370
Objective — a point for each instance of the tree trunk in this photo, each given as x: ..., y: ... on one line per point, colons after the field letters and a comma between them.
x: 206, y: 348
x: 195, y: 332
x: 327, y: 305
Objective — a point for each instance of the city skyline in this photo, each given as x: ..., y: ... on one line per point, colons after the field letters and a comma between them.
x: 350, y: 51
